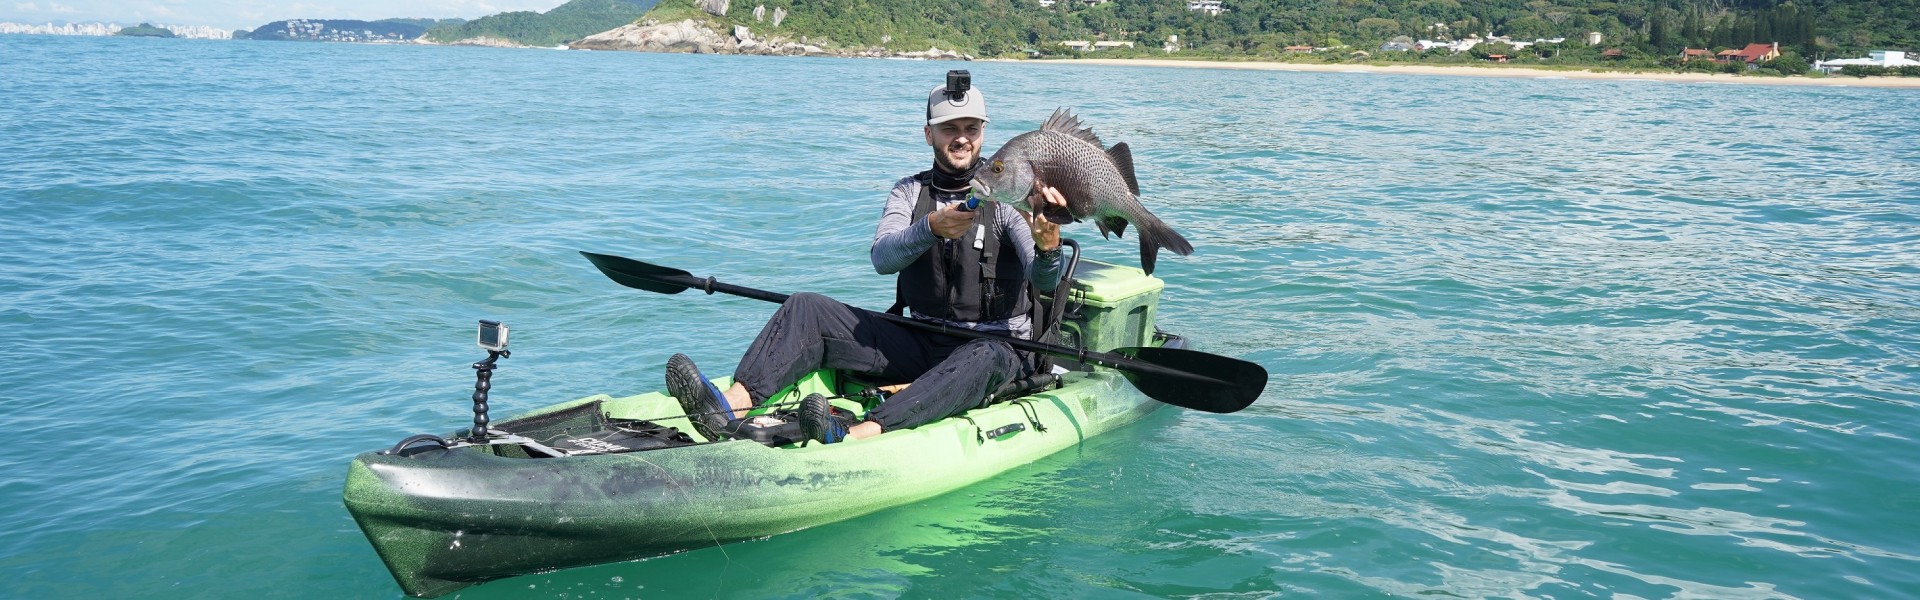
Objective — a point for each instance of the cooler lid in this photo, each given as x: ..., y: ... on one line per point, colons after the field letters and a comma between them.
x: 1107, y: 283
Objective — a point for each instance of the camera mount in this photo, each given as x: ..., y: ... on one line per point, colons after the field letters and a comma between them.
x: 493, y: 340
x: 958, y: 82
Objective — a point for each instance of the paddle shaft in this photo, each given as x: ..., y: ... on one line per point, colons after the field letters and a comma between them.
x: 714, y: 286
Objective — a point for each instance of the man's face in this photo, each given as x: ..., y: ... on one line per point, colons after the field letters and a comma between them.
x: 956, y: 143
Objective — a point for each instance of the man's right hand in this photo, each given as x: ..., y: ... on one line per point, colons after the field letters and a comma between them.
x: 950, y: 222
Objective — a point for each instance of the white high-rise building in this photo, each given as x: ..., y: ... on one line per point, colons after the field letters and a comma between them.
x: 186, y: 31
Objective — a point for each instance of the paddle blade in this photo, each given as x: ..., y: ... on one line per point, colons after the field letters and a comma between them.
x: 1239, y: 382
x: 638, y: 275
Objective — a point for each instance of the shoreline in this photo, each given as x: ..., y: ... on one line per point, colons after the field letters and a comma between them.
x: 1506, y: 72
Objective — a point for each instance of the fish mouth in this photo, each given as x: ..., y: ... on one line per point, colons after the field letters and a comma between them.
x: 980, y: 189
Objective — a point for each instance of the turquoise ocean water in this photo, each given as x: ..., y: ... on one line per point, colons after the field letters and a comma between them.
x: 1529, y: 338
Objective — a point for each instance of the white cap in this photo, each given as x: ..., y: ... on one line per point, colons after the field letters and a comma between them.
x: 942, y: 107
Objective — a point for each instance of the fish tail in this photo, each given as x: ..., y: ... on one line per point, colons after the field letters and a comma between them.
x: 1155, y: 235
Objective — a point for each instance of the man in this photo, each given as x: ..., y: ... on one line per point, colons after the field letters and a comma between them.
x: 967, y: 268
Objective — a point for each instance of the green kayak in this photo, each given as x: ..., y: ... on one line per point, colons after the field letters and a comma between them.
x: 602, y: 479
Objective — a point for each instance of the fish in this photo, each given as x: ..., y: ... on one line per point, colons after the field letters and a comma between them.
x: 1096, y: 181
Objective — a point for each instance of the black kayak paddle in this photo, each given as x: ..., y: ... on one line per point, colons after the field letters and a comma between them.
x: 1184, y: 378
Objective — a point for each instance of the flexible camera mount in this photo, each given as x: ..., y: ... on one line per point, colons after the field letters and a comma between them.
x: 483, y: 372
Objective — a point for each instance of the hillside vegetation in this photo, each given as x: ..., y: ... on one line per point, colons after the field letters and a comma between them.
x: 145, y: 30
x: 565, y: 23
x: 424, y: 23
x: 1646, y: 29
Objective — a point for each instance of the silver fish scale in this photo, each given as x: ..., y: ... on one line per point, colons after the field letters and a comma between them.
x: 1082, y: 172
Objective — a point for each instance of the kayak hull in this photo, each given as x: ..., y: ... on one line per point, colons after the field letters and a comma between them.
x: 446, y: 519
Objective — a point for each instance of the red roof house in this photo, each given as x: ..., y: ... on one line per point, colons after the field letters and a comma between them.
x: 1689, y: 54
x: 1755, y: 53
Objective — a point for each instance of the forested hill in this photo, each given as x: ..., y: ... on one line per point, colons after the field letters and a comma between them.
x: 1267, y: 27
x: 565, y: 23
x: 425, y: 23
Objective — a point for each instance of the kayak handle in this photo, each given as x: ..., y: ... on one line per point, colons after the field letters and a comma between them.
x: 1005, y: 430
x: 415, y: 439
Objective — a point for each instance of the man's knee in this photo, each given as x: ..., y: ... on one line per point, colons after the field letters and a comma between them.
x: 808, y: 302
x: 988, y: 352
x: 804, y: 303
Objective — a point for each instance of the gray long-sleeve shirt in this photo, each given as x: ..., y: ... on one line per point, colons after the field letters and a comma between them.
x: 901, y: 239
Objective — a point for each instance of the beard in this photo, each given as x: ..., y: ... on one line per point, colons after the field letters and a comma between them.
x: 944, y: 161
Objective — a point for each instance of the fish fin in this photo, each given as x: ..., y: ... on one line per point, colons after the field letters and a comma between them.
x: 1116, y: 225
x: 1123, y: 159
x: 1063, y: 121
x: 1154, y: 235
x: 1058, y: 214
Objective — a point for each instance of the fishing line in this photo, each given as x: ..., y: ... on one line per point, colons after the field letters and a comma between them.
x: 678, y: 487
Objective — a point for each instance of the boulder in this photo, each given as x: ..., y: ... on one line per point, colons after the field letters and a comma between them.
x: 682, y: 36
x: 488, y: 41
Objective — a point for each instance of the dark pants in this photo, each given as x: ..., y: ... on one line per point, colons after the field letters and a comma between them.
x: 810, y: 331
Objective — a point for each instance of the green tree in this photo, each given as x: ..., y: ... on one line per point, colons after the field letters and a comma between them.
x: 1788, y: 64
x: 1657, y: 33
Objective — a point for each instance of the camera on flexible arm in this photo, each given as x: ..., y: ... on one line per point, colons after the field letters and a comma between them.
x: 493, y: 339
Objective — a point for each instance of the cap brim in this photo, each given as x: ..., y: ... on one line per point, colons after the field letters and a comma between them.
x: 944, y: 118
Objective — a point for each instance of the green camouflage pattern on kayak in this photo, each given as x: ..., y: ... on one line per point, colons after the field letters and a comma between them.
x: 445, y: 520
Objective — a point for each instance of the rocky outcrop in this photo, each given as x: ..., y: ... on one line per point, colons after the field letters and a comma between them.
x: 690, y: 36
x: 696, y: 37
x: 683, y: 36
x: 485, y: 40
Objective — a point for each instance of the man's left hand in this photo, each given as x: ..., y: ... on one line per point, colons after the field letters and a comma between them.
x: 1046, y: 233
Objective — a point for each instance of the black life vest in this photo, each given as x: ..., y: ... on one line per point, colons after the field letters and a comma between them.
x: 976, y: 278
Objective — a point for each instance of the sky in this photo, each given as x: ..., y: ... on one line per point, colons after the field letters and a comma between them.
x: 248, y: 14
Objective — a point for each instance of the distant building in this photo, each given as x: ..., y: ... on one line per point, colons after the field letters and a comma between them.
x: 1752, y: 55
x: 1877, y: 58
x: 1760, y: 52
x: 1396, y: 46
x: 1211, y: 7
x: 1299, y: 48
x: 1613, y: 53
x: 1106, y: 45
x: 1594, y: 38
x: 1081, y: 45
x: 1046, y: 3
x: 1690, y: 54
x: 104, y: 29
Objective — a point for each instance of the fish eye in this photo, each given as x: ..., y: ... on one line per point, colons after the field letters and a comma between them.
x: 998, y: 166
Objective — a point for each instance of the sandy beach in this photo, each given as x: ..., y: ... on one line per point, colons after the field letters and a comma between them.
x: 1517, y: 72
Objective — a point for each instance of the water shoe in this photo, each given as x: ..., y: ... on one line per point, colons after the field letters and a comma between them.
x: 818, y: 423
x: 699, y: 398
